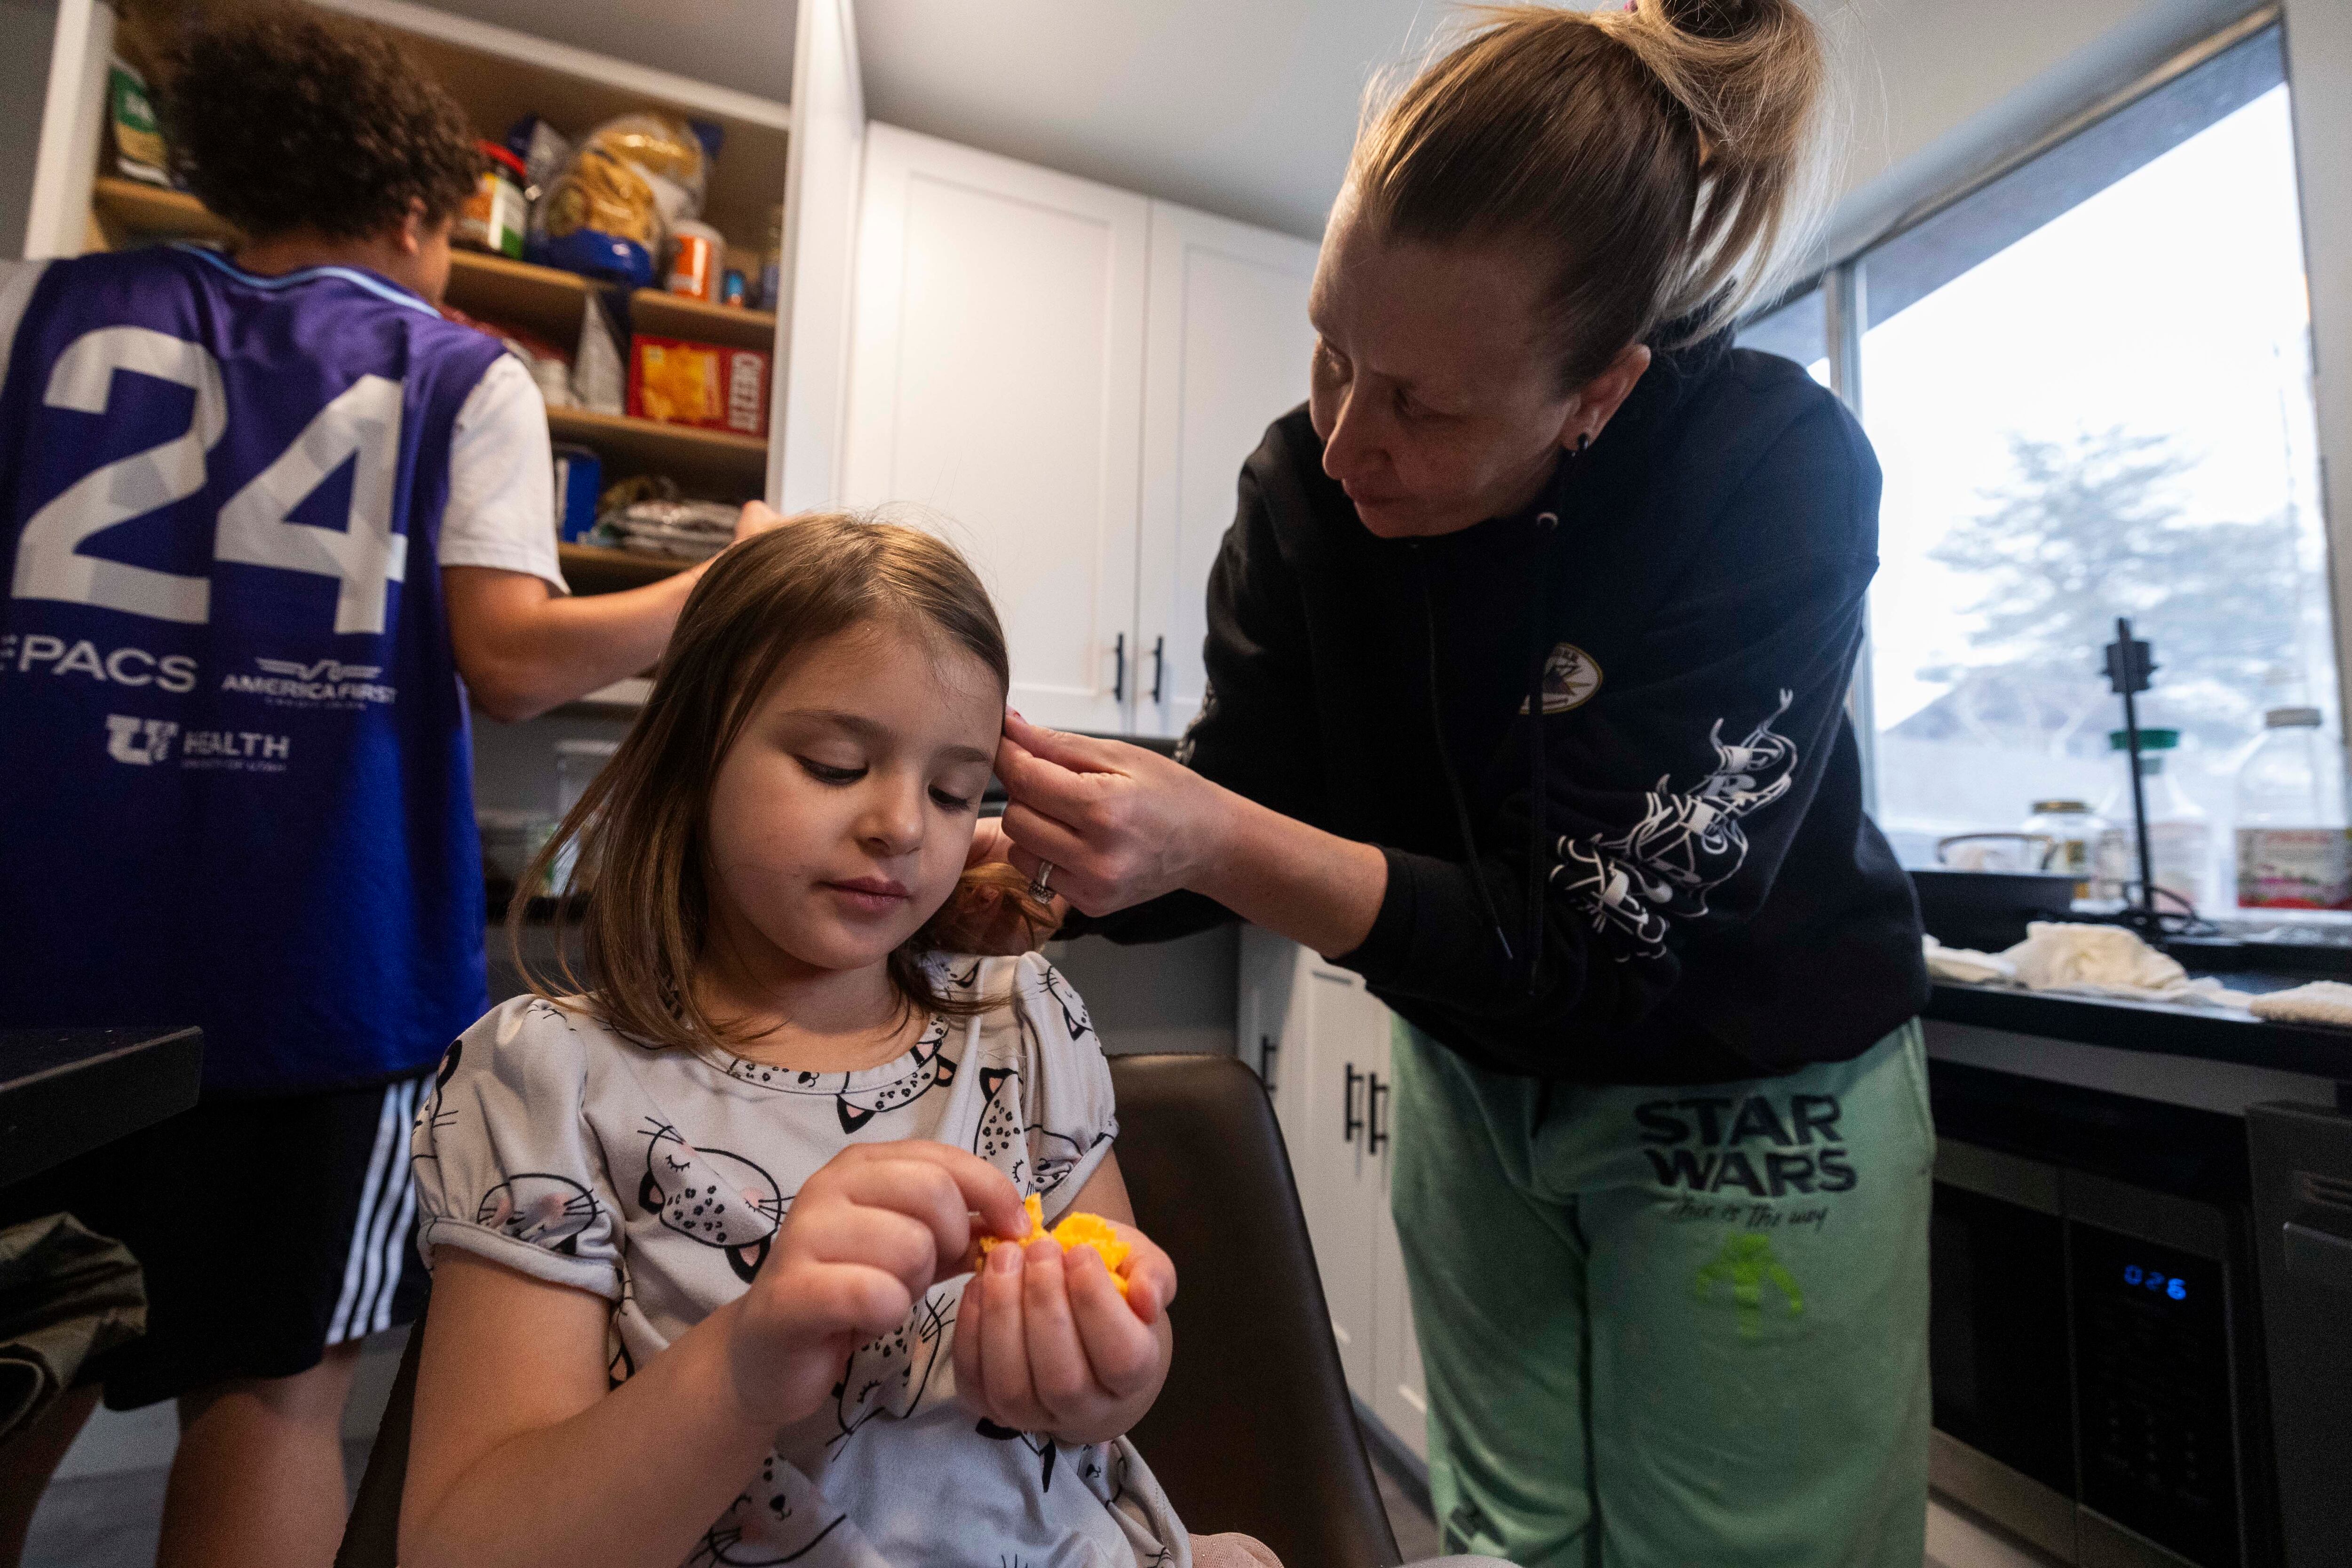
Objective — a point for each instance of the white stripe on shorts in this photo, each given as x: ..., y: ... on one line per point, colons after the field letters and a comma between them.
x: 387, y: 1190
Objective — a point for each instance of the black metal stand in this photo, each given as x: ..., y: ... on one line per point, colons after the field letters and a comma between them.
x: 2130, y: 663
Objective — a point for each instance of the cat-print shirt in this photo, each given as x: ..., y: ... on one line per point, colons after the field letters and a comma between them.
x: 658, y: 1177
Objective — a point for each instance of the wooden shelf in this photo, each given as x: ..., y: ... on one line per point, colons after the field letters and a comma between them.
x: 666, y: 315
x: 500, y: 290
x: 132, y: 208
x: 591, y: 569
x: 720, y: 461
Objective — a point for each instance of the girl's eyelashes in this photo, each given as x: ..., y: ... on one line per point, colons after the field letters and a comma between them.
x: 951, y: 802
x: 826, y: 772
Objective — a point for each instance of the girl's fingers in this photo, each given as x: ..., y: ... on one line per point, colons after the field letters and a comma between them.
x: 914, y: 1191
x: 1004, y: 1350
x: 847, y: 1234
x: 980, y: 1187
x: 1058, y: 1368
x: 970, y: 1374
x: 1120, y: 1347
x: 854, y: 1299
x: 1151, y: 1275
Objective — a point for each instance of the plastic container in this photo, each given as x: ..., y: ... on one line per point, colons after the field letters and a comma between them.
x: 577, y: 763
x: 495, y: 215
x: 2179, y: 836
x: 578, y: 480
x: 730, y: 288
x: 2073, y: 829
x: 2293, y: 851
x: 697, y: 255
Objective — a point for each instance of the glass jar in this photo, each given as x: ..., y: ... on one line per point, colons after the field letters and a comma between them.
x: 2073, y: 829
x: 2179, y: 836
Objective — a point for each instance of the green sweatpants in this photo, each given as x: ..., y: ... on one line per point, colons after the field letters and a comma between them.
x: 1672, y: 1327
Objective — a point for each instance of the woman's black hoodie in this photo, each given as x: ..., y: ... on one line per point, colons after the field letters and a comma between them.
x: 1685, y: 856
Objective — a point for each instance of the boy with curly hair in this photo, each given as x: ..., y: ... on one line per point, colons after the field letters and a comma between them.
x: 272, y: 519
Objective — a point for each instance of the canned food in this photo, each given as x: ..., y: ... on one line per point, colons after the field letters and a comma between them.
x: 697, y: 250
x: 492, y: 217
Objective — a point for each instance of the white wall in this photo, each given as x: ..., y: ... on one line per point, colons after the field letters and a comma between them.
x: 26, y: 28
x: 2320, y: 74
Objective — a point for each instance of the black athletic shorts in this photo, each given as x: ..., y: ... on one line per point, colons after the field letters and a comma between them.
x: 267, y: 1231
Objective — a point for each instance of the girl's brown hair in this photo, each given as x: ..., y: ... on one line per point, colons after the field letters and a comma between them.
x: 1661, y: 152
x: 641, y: 829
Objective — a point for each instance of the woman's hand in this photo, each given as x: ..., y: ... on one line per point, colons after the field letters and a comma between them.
x: 1120, y: 824
x: 756, y: 518
x: 1045, y: 1342
x: 870, y: 1233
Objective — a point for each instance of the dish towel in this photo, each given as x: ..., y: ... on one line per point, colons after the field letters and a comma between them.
x: 2086, y: 961
x: 2320, y: 1002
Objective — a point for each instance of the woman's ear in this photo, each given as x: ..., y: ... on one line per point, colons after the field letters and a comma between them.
x: 1598, y: 400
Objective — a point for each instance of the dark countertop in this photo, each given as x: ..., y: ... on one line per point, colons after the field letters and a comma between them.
x: 2164, y: 1028
x: 65, y: 1092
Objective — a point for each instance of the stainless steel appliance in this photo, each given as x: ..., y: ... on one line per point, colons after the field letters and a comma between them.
x: 2094, y: 1337
x: 2302, y: 1210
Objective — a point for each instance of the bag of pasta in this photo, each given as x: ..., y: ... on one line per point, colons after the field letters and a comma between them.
x: 611, y: 203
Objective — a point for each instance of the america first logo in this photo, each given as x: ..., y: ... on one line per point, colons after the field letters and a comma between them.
x: 325, y: 683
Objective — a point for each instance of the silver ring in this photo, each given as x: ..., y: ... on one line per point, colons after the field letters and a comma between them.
x: 1037, y: 889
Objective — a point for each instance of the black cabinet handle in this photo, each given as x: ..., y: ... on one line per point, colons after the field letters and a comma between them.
x: 1119, y: 670
x: 1268, y: 1049
x: 1159, y: 668
x: 1372, y: 1110
x: 1351, y: 1123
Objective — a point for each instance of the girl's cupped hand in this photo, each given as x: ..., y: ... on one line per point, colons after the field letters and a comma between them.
x: 1045, y: 1342
x: 875, y: 1227
x: 1120, y: 824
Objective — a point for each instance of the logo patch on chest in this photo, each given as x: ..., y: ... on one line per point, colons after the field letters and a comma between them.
x: 1570, y: 676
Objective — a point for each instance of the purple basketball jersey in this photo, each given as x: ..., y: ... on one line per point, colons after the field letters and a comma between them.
x: 235, y: 783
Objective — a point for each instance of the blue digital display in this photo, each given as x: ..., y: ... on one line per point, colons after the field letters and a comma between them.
x: 2156, y: 1280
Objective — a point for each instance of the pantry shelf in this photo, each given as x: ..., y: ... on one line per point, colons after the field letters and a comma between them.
x: 496, y: 288
x: 663, y: 315
x: 717, y: 462
x: 592, y: 569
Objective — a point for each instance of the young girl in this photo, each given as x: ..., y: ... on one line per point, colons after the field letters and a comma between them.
x: 702, y: 1239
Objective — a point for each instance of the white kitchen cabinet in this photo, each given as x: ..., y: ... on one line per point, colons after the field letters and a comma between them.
x: 1066, y: 379
x: 1327, y: 1040
x: 996, y: 386
x: 1227, y: 352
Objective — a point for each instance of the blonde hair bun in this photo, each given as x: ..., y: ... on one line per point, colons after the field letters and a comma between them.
x: 1666, y: 152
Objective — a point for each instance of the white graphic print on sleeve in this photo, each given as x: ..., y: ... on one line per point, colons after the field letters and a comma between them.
x: 1687, y: 843
x: 540, y: 1208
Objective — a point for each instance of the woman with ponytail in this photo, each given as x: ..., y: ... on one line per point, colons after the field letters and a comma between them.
x: 1528, y: 652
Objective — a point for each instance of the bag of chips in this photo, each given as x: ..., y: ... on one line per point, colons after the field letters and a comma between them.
x: 612, y: 203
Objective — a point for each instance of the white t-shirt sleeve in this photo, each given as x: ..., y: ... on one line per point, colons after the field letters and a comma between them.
x: 501, y: 511
x: 1074, y: 1117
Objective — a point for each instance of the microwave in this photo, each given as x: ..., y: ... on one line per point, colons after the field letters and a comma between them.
x: 2093, y: 1340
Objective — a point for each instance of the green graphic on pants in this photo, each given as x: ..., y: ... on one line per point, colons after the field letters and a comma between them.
x: 1748, y: 1262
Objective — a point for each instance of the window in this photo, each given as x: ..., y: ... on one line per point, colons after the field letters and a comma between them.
x: 1795, y: 329
x: 2088, y: 384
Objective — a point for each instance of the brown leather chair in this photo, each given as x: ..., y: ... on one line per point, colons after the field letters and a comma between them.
x: 1254, y: 1431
